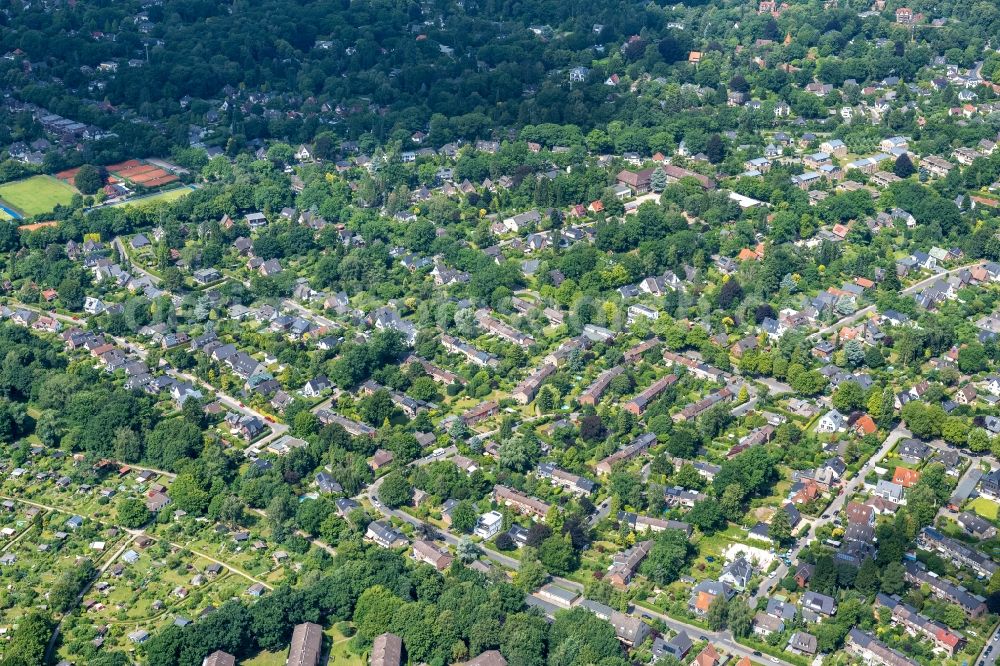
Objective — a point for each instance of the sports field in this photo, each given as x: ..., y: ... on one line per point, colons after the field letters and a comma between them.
x: 36, y: 195
x: 167, y: 195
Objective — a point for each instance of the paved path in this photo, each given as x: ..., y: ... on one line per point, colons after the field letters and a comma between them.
x: 66, y: 319
x: 10, y: 544
x: 723, y: 639
x: 137, y: 533
x: 306, y: 313
x: 277, y: 429
x: 720, y: 639
x: 136, y: 268
x: 86, y: 588
x: 864, y: 312
x: 988, y: 657
x: 831, y: 512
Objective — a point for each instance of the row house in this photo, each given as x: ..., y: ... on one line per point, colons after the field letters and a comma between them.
x: 473, y: 355
x: 937, y: 167
x: 481, y: 412
x: 918, y: 625
x: 639, y: 523
x: 562, y: 353
x: 697, y: 409
x: 677, y: 496
x: 526, y: 391
x: 627, y: 562
x: 959, y: 553
x: 638, y: 404
x: 574, y: 483
x: 439, y: 375
x: 917, y: 573
x: 529, y: 506
x: 636, y: 352
x: 592, y: 394
x: 354, y: 428
x: 638, y: 446
x: 697, y: 368
x: 873, y: 651
x: 502, y: 330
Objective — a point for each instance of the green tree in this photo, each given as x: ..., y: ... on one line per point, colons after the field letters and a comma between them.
x: 376, y: 408
x: 558, y: 555
x: 523, y: 641
x: 868, y: 580
x: 780, y: 528
x: 188, y: 495
x: 978, y: 440
x: 923, y: 420
x: 396, y: 490
x: 848, y: 396
x: 89, y: 179
x: 731, y: 502
x: 740, y: 618
x: 893, y: 578
x: 28, y: 641
x: 972, y: 358
x: 463, y: 517
x: 667, y: 557
x: 903, y: 166
x: 584, y: 634
x: 717, y: 613
x: 466, y: 550
x: 955, y: 430
x: 374, y: 611
x: 133, y: 513
x: 706, y: 516
x: 531, y: 575
x: 658, y: 180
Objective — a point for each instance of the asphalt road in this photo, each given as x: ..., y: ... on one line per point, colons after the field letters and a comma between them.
x: 831, y: 512
x: 864, y: 312
x: 723, y: 640
x: 136, y: 268
x: 990, y: 652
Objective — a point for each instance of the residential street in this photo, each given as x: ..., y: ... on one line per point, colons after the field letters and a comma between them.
x: 306, y: 313
x: 831, y: 512
x: 864, y: 312
x: 136, y: 268
x: 720, y: 639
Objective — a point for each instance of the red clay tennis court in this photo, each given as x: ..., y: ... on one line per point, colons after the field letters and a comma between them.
x: 68, y: 176
x: 161, y: 180
x: 123, y: 165
x: 134, y: 172
x: 147, y: 177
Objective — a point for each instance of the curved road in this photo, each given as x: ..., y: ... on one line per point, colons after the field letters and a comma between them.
x: 913, y: 288
x: 831, y: 511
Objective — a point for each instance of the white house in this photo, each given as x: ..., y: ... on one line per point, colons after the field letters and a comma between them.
x: 489, y: 524
x: 832, y: 421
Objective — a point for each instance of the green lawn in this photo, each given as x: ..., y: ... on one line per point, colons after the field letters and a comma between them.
x: 336, y: 643
x: 986, y: 508
x: 267, y: 659
x: 37, y: 195
x: 167, y: 195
